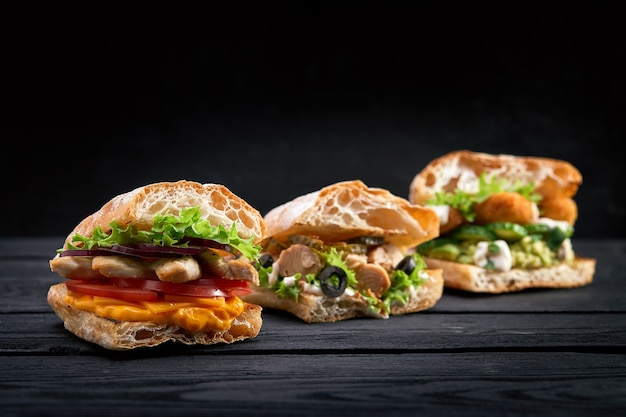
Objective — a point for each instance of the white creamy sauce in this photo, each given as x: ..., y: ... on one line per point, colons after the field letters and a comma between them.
x: 566, y: 251
x: 552, y: 224
x: 311, y: 289
x: 306, y: 287
x: 502, y: 261
x: 273, y: 276
x: 289, y: 281
x: 443, y: 212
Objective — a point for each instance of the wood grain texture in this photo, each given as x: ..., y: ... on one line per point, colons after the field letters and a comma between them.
x: 539, y: 353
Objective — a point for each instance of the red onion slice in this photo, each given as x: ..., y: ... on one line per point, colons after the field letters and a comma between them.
x: 206, y: 243
x: 86, y: 252
x: 141, y: 250
x: 149, y: 250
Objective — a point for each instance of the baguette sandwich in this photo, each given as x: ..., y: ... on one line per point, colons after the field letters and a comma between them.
x: 506, y: 222
x: 166, y: 262
x: 339, y: 253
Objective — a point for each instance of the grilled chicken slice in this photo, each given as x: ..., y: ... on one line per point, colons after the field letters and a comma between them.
x: 242, y: 269
x: 222, y: 264
x: 122, y: 267
x: 387, y: 256
x: 372, y: 277
x: 74, y: 267
x: 298, y: 258
x: 353, y: 260
x: 177, y: 270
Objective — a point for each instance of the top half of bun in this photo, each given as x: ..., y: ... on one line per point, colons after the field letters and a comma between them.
x: 350, y: 209
x: 461, y: 169
x: 138, y: 207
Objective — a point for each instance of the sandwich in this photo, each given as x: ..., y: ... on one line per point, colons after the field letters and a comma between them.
x: 506, y: 222
x: 340, y: 253
x: 165, y: 262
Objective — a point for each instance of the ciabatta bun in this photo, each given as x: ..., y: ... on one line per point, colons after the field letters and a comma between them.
x: 350, y: 209
x: 461, y: 170
x: 334, y: 215
x: 125, y: 335
x: 217, y: 205
x: 472, y: 278
x: 138, y: 207
x: 556, y: 181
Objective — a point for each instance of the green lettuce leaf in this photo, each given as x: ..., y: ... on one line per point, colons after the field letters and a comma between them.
x: 401, y: 281
x: 465, y: 202
x: 168, y: 230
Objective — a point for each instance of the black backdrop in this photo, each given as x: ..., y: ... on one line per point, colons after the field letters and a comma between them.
x: 278, y: 99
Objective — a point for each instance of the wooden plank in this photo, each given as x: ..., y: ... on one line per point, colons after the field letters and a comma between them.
x: 44, y: 333
x: 30, y: 247
x: 468, y: 384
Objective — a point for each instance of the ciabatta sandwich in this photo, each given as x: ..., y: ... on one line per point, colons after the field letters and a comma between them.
x: 340, y: 253
x: 506, y: 222
x: 164, y: 262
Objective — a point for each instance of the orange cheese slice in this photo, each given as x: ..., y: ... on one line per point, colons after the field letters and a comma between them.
x: 191, y: 313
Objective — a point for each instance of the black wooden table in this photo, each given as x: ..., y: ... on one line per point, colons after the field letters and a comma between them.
x: 534, y: 353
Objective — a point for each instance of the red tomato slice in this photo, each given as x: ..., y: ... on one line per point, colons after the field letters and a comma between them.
x: 204, y: 287
x: 111, y: 291
x: 131, y: 289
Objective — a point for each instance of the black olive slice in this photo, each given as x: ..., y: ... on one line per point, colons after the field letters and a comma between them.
x: 266, y: 260
x: 328, y: 285
x: 407, y: 265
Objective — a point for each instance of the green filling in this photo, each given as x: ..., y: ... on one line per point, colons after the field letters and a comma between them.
x: 398, y: 293
x: 168, y: 230
x: 531, y: 246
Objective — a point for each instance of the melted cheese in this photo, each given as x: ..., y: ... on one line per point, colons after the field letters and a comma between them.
x: 191, y: 313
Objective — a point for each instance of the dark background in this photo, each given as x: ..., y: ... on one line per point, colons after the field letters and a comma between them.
x: 276, y: 99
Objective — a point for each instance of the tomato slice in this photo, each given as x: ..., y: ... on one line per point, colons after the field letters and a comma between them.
x: 204, y: 287
x: 133, y: 289
x: 111, y: 291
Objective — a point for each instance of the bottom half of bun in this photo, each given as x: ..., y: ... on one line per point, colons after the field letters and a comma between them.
x: 122, y: 335
x: 318, y: 309
x: 476, y: 279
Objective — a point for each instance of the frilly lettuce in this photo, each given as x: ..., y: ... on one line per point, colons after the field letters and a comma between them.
x: 168, y: 230
x: 464, y: 201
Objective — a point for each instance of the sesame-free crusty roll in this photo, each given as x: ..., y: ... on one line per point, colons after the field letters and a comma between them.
x: 506, y: 221
x: 138, y: 207
x: 165, y: 262
x: 462, y: 169
x: 343, y: 252
x: 350, y: 209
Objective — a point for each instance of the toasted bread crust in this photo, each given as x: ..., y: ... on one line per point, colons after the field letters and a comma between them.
x: 476, y: 279
x: 461, y: 169
x: 337, y: 213
x: 349, y: 209
x: 116, y: 335
x: 555, y: 180
x: 321, y: 309
x: 139, y: 206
